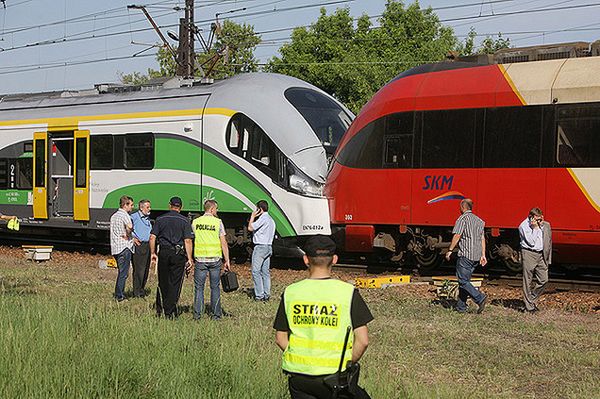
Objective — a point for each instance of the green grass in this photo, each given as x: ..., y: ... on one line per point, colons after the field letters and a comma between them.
x: 62, y: 336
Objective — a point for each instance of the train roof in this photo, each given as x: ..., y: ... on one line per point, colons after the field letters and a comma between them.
x: 106, y: 93
x: 455, y: 85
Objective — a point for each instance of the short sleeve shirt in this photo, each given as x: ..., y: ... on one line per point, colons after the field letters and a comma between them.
x: 470, y: 227
x: 172, y: 229
x: 360, y: 314
x: 119, y: 222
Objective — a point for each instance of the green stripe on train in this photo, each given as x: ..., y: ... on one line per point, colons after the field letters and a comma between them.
x: 179, y: 155
x: 14, y: 197
x: 160, y: 193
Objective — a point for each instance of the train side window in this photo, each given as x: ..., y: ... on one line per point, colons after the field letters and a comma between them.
x: 40, y: 163
x: 4, y: 173
x: 25, y: 172
x: 448, y: 139
x: 578, y: 142
x: 101, y: 152
x: 513, y: 137
x: 138, y: 151
x: 365, y: 149
x: 399, y: 140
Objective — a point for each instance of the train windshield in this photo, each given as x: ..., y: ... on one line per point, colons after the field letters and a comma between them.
x: 327, y: 118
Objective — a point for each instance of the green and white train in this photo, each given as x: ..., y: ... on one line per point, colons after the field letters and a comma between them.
x: 67, y: 157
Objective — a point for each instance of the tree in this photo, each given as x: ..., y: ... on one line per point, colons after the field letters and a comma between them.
x: 352, y: 63
x: 489, y: 45
x: 233, y: 52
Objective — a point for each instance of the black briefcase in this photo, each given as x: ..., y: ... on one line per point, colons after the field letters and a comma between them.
x: 229, y: 281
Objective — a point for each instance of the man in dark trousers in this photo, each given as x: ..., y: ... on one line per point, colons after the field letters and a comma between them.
x: 536, y: 246
x: 141, y: 238
x: 174, y: 234
x: 468, y: 236
x: 315, y: 318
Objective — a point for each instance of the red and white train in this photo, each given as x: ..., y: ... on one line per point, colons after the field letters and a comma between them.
x: 509, y: 136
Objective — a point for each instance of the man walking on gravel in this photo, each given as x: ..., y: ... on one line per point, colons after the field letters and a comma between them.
x: 469, y: 237
x: 536, y: 246
x: 121, y: 244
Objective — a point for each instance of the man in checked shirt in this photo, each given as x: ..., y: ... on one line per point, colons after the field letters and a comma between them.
x: 121, y: 243
x: 469, y: 237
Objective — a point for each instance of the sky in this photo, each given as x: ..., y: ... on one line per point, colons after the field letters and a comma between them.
x: 48, y: 45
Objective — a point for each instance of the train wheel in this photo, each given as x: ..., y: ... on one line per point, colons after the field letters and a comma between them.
x: 429, y: 260
x: 512, y: 265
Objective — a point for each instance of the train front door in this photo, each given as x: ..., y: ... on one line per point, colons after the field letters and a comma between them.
x: 61, y: 175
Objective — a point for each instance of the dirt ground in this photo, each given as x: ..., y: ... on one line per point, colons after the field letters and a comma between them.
x: 84, y: 267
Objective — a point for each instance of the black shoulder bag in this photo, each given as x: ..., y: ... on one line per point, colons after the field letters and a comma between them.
x: 344, y: 384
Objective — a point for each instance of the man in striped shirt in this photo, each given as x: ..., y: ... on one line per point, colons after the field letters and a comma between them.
x: 469, y: 237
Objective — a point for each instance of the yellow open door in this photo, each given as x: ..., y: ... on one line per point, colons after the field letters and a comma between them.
x: 40, y: 175
x: 81, y: 186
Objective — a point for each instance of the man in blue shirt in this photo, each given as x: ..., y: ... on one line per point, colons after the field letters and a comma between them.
x: 141, y: 256
x: 263, y: 230
x: 536, y: 246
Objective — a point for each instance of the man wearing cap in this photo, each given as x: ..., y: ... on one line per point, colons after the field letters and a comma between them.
x: 174, y: 234
x: 313, y: 322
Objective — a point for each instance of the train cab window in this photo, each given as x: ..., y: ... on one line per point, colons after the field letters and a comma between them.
x: 101, y: 152
x: 512, y: 137
x: 246, y: 139
x: 328, y: 120
x: 364, y: 150
x: 138, y: 151
x: 448, y: 139
x: 578, y: 137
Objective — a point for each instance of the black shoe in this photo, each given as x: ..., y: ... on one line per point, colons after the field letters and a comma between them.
x: 266, y: 299
x: 482, y: 305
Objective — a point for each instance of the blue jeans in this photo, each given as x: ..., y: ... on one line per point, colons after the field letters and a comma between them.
x: 123, y: 261
x: 213, y: 269
x: 464, y: 271
x: 261, y: 275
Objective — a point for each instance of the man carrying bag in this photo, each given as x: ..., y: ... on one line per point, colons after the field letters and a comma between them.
x: 319, y: 320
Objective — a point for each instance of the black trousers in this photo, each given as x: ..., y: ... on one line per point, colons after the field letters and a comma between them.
x: 312, y: 387
x: 141, y: 266
x: 171, y: 269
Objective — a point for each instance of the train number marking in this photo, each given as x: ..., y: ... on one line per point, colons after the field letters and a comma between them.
x: 347, y: 217
x: 438, y: 182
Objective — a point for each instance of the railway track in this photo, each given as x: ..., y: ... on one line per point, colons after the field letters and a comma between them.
x: 583, y: 283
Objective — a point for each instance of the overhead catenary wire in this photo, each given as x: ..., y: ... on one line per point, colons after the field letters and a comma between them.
x: 271, y: 41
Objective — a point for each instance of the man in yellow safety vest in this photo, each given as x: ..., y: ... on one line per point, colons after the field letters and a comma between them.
x: 313, y: 325
x: 209, y: 247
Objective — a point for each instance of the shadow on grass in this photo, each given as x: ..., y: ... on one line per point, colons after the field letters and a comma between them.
x: 515, y: 304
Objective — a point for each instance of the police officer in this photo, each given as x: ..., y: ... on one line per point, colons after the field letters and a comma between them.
x: 314, y: 319
x: 174, y: 234
x: 209, y: 247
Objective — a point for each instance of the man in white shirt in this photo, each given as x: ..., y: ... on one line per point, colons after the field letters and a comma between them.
x: 263, y: 230
x: 536, y: 250
x: 121, y: 243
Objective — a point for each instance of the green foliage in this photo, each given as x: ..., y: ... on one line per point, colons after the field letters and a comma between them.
x: 489, y: 45
x: 352, y: 62
x: 233, y: 51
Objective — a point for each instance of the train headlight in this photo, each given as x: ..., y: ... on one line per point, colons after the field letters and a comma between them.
x: 301, y: 183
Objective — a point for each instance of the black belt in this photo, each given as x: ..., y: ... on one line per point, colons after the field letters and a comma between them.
x: 532, y: 250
